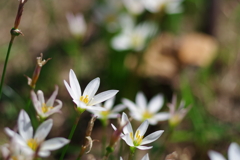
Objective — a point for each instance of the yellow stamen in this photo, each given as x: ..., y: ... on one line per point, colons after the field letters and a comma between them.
x: 84, y: 99
x: 147, y: 115
x: 105, y: 113
x: 136, y: 40
x: 138, y: 139
x: 131, y: 136
x: 46, y: 108
x: 32, y: 143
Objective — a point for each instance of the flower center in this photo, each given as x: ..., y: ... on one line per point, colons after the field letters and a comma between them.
x: 84, y: 99
x: 46, y: 108
x: 105, y: 113
x: 32, y: 143
x: 137, y: 140
x: 147, y: 115
x: 136, y: 40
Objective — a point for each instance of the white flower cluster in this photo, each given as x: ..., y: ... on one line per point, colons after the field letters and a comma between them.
x: 25, y: 145
x: 137, y: 7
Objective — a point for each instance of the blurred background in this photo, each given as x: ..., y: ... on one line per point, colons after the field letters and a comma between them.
x: 190, y: 48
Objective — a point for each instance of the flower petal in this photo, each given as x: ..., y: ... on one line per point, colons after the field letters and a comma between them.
x: 161, y: 116
x: 144, y: 147
x: 121, y: 42
x: 70, y: 90
x: 155, y: 103
x: 43, y: 130
x: 146, y: 157
x: 102, y: 97
x: 113, y: 115
x: 131, y: 106
x: 95, y: 108
x: 92, y: 88
x: 142, y: 129
x: 41, y: 97
x: 109, y: 103
x: 128, y: 140
x: 128, y: 128
x: 74, y: 84
x: 51, y: 100
x: 24, y: 125
x: 141, y: 101
x: 234, y: 151
x: 118, y: 108
x: 43, y: 153
x: 17, y: 137
x: 152, y: 137
x: 55, y: 109
x: 37, y: 105
x: 213, y: 155
x: 54, y: 144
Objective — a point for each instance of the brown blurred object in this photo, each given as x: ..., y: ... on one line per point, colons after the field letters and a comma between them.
x: 197, y: 49
x: 167, y: 54
x: 180, y: 154
x: 159, y: 59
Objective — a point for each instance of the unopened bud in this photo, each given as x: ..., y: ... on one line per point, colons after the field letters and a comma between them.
x: 15, y: 32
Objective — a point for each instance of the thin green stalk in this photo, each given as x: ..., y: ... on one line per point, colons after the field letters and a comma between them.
x: 132, y: 153
x: 105, y: 123
x: 5, y: 63
x: 70, y: 136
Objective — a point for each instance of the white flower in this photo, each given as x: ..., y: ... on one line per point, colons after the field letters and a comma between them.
x: 146, y: 157
x: 142, y: 111
x: 135, y: 7
x: 169, y: 6
x: 134, y: 37
x: 45, y: 109
x: 13, y: 151
x: 88, y: 99
x: 77, y: 24
x: 177, y: 114
x: 233, y: 153
x: 109, y: 113
x: 136, y: 140
x: 29, y: 143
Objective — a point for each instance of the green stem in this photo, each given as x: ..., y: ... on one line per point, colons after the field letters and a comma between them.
x: 104, y: 122
x: 109, y: 150
x: 5, y: 63
x: 132, y: 153
x: 70, y: 136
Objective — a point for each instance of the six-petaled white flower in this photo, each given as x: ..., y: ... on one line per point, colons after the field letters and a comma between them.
x: 137, y: 7
x: 137, y: 140
x: 134, y: 37
x: 233, y: 153
x: 168, y: 6
x: 88, y: 99
x: 177, y: 114
x: 109, y: 113
x: 45, y: 109
x: 142, y: 111
x: 29, y: 143
x: 13, y: 151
